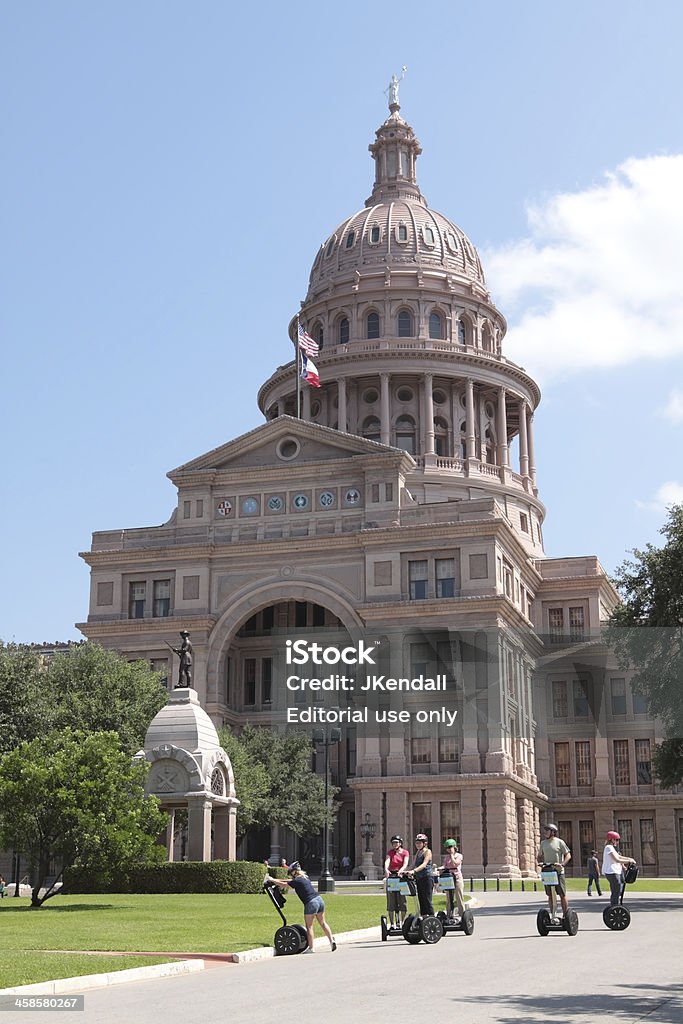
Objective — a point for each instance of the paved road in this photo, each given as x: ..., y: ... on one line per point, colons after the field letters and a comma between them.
x: 502, y: 974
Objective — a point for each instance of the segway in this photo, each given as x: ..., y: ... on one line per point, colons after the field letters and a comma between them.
x: 450, y: 921
x: 618, y: 918
x: 290, y: 938
x: 417, y: 928
x: 393, y: 884
x: 546, y: 921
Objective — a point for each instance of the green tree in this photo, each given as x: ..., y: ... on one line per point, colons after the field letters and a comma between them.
x: 646, y: 631
x: 74, y: 799
x: 86, y: 687
x: 251, y: 779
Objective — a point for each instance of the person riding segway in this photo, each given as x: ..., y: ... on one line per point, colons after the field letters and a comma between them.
x: 617, y: 917
x: 553, y: 855
x: 395, y: 866
x: 423, y: 924
x: 450, y: 882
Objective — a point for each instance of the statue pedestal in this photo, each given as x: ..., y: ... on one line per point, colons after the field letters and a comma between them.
x: 368, y: 867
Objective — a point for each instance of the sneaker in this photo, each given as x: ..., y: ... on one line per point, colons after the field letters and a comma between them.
x: 334, y: 946
x: 308, y: 950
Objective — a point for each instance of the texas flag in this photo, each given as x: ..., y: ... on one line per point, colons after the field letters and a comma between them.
x: 309, y: 371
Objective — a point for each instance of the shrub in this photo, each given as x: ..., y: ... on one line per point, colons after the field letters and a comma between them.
x: 226, y: 876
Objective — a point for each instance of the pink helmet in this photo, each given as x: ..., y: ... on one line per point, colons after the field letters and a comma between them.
x: 421, y: 838
x: 613, y: 837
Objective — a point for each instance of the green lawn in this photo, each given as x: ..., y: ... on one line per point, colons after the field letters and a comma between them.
x: 16, y: 968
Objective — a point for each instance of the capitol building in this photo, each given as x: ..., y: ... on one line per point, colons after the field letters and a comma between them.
x: 401, y: 501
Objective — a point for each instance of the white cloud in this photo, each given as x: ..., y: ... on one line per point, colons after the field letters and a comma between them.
x: 670, y: 493
x: 598, y: 282
x: 673, y: 410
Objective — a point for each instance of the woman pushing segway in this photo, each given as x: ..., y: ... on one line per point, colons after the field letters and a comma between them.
x: 314, y: 905
x: 553, y: 855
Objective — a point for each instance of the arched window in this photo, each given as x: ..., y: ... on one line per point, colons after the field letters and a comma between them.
x: 486, y: 339
x: 435, y: 325
x: 463, y: 439
x: 405, y: 434
x: 374, y: 233
x: 429, y: 236
x: 372, y: 428
x: 490, y: 447
x: 350, y: 239
x: 440, y: 436
x: 405, y: 324
x: 462, y: 334
x: 318, y: 334
x: 372, y: 325
x: 343, y: 331
x: 402, y: 233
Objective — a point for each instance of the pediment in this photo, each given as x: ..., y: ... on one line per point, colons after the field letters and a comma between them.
x: 284, y: 442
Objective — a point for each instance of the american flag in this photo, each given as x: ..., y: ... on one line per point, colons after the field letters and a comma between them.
x: 306, y: 343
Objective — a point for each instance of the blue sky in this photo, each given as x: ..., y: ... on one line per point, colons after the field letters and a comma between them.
x: 170, y: 170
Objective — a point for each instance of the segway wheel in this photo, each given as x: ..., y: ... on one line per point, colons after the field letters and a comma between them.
x: 287, y: 941
x: 543, y: 922
x: 467, y: 923
x: 410, y: 930
x: 431, y: 929
x: 571, y: 922
x: 384, y: 927
x: 616, y: 918
x: 303, y: 937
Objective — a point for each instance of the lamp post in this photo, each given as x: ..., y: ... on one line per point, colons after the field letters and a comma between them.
x: 325, y: 737
x: 367, y: 831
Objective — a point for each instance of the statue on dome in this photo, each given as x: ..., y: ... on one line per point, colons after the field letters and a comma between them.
x: 184, y: 652
x: 392, y: 88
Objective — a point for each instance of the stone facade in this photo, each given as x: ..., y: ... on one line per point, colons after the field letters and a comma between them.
x: 402, y: 502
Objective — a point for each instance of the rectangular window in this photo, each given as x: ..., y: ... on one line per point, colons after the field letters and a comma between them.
x: 643, y: 763
x: 556, y: 625
x: 618, y: 694
x: 560, y: 707
x: 420, y: 658
x: 187, y: 509
x: 564, y: 831
x: 576, y: 624
x: 136, y: 600
x: 648, y: 846
x: 584, y: 774
x: 639, y: 704
x: 351, y: 751
x: 445, y: 577
x: 388, y: 492
x: 621, y: 765
x: 586, y: 839
x: 581, y: 703
x: 507, y: 579
x: 267, y: 680
x: 524, y: 521
x: 162, y: 599
x: 422, y: 819
x: 374, y: 492
x: 105, y: 594
x: 250, y: 681
x: 190, y: 588
x: 420, y: 750
x: 479, y: 567
x: 417, y: 580
x: 449, y: 812
x: 448, y: 750
x: 200, y: 508
x: 561, y: 764
x: 625, y: 830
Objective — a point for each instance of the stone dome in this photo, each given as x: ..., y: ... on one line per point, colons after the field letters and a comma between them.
x: 184, y: 723
x: 396, y: 229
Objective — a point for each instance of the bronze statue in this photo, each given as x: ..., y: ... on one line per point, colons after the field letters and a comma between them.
x: 184, y: 652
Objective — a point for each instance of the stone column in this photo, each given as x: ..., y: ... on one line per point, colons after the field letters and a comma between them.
x: 306, y: 411
x: 170, y: 835
x: 526, y: 838
x: 280, y: 406
x: 198, y: 829
x: 523, y: 441
x: 501, y: 831
x: 428, y: 413
x: 471, y: 440
x: 503, y: 451
x: 384, y: 408
x: 532, y: 453
x: 341, y: 402
x: 472, y: 831
x: 497, y: 758
x: 275, y: 855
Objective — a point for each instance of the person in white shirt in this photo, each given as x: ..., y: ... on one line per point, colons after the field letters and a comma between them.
x: 612, y: 866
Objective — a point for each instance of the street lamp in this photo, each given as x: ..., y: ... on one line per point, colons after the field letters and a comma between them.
x: 325, y: 737
x: 367, y: 831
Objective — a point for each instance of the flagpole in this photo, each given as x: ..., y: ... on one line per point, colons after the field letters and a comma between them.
x: 298, y: 373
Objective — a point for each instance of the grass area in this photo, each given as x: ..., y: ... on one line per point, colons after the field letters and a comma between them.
x: 16, y: 968
x: 578, y: 885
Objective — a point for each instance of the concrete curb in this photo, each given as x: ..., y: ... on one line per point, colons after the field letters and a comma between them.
x: 62, y: 986
x: 248, y: 956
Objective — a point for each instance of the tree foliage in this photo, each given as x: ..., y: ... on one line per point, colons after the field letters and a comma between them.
x: 646, y: 631
x: 86, y: 687
x: 274, y: 777
x: 72, y: 798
